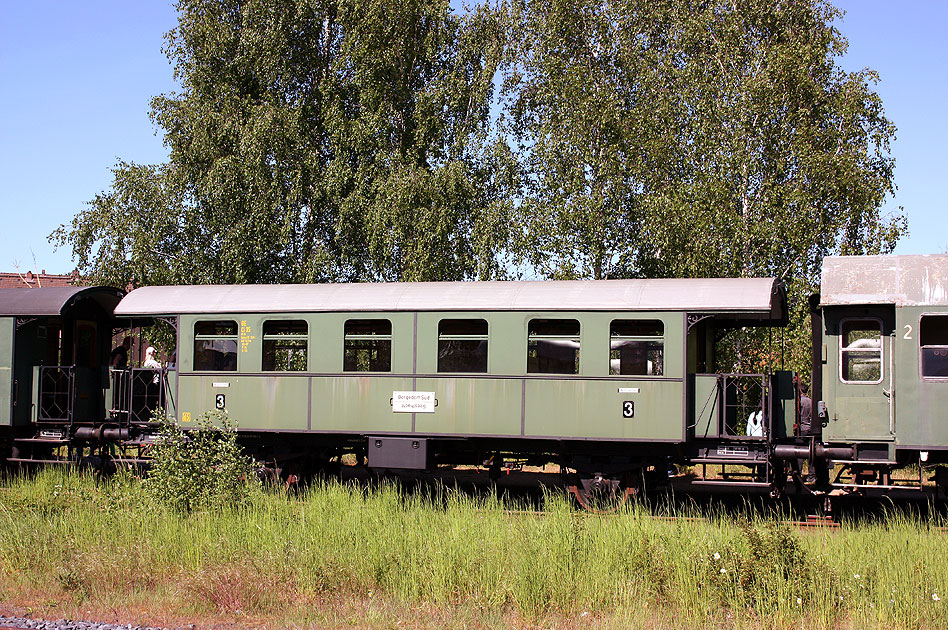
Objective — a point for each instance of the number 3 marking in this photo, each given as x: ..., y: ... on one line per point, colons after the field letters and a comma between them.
x: 908, y: 332
x: 628, y: 409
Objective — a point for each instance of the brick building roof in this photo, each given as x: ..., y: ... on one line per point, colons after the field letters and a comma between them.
x: 30, y: 280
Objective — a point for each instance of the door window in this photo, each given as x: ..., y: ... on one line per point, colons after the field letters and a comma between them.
x: 86, y: 348
x: 861, y: 351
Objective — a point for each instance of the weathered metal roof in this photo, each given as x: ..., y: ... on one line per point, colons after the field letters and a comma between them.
x: 53, y: 301
x: 762, y: 297
x: 901, y: 280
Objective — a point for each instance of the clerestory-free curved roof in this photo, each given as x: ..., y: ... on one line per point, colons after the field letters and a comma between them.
x: 758, y: 298
x: 902, y: 280
x: 54, y: 301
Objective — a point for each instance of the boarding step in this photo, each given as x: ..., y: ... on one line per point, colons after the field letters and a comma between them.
x: 730, y: 453
x: 41, y: 440
x: 134, y: 461
x: 871, y: 486
x: 729, y: 483
x: 27, y: 460
x: 722, y: 461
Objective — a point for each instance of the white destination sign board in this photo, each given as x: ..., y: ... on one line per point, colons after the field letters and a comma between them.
x: 413, y: 402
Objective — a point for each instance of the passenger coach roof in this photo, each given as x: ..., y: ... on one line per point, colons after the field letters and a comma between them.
x: 899, y: 280
x: 761, y: 297
x: 54, y: 301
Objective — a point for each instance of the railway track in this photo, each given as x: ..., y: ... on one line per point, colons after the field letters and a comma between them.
x: 529, y: 489
x: 813, y: 523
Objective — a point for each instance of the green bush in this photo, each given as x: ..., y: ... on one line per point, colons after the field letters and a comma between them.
x: 202, y: 468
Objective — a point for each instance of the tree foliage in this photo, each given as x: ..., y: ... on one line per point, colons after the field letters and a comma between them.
x: 573, y: 110
x: 340, y: 140
x: 693, y: 138
x: 311, y: 140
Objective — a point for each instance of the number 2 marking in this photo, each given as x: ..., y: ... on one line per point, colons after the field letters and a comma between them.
x: 908, y: 332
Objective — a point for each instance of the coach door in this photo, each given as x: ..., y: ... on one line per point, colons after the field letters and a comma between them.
x: 861, y: 407
x: 88, y: 366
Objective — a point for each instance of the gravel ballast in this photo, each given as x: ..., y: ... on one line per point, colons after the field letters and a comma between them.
x: 66, y: 624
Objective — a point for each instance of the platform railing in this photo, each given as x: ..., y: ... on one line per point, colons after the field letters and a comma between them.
x: 56, y: 393
x: 136, y: 394
x: 744, y: 403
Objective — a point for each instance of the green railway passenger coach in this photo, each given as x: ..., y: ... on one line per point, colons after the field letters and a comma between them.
x: 411, y: 374
x: 882, y: 356
x: 54, y: 353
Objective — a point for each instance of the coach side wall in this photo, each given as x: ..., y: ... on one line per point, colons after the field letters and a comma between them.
x: 505, y: 401
x: 6, y: 370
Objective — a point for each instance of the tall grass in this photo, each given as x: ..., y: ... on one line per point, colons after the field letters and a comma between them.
x: 97, y: 542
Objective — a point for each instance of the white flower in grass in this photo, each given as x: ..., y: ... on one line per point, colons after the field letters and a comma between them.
x: 717, y: 556
x: 856, y: 575
x: 935, y: 597
x: 723, y: 570
x: 799, y: 601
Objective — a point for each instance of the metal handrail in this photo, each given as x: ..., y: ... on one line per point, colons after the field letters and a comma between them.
x: 119, y: 385
x: 147, y: 394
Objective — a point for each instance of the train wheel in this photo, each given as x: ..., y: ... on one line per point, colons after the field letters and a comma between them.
x: 598, y: 493
x: 330, y: 467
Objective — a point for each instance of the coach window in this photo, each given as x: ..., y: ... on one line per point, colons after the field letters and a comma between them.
x: 368, y: 345
x: 636, y: 347
x: 215, y: 346
x: 284, y: 346
x: 553, y: 346
x: 861, y: 351
x: 462, y: 345
x: 933, y: 337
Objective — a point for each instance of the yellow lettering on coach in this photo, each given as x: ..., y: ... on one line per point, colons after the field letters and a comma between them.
x: 245, y: 336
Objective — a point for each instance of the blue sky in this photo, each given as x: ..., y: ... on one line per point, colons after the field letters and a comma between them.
x: 77, y: 78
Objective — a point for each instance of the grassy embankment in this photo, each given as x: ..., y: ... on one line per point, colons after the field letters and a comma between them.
x: 347, y: 556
